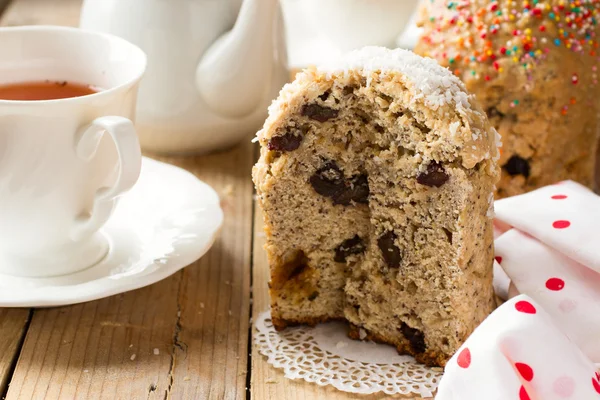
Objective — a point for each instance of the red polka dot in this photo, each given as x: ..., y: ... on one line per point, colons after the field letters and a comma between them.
x: 464, y: 358
x: 559, y: 197
x: 525, y: 370
x: 498, y: 259
x: 561, y: 224
x: 525, y: 307
x: 523, y: 395
x: 555, y: 284
x: 596, y: 385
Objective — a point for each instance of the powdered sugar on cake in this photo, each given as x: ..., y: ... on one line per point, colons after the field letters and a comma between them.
x: 436, y: 84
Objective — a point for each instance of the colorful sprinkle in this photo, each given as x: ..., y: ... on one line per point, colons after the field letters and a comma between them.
x: 570, y: 25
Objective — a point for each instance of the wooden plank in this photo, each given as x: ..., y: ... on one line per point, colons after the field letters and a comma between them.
x: 102, y: 349
x: 156, y: 342
x: 267, y: 382
x: 13, y: 325
x: 216, y: 294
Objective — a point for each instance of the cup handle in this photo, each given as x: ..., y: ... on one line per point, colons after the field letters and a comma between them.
x: 126, y: 141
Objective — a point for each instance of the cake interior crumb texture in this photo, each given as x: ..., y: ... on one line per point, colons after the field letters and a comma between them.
x: 375, y: 180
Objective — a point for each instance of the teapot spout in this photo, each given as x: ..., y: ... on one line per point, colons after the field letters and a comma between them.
x: 237, y: 72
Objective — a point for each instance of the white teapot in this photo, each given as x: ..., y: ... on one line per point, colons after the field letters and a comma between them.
x: 319, y: 31
x: 214, y: 66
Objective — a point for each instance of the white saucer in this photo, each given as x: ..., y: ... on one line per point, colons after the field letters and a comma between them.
x: 166, y: 222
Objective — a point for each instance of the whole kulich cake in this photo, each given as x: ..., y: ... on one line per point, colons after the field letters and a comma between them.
x: 533, y: 66
x: 375, y: 179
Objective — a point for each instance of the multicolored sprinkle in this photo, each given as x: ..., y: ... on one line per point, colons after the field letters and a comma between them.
x: 571, y: 24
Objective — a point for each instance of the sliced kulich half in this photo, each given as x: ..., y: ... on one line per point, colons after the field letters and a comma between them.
x: 375, y: 179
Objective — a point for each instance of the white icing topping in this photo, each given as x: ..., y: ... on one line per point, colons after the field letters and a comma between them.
x: 437, y: 84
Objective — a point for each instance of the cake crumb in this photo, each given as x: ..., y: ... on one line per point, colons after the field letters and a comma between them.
x: 362, y: 334
x: 186, y: 378
x: 201, y: 305
x: 341, y: 345
x: 271, y: 380
x: 156, y: 352
x: 132, y: 357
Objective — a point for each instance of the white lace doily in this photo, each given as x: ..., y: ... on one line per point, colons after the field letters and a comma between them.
x: 326, y: 356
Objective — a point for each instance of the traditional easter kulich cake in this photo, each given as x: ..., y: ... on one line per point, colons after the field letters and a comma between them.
x: 533, y: 67
x: 376, y: 180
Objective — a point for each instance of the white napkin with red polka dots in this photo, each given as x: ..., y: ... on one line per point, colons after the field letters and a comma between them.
x: 542, y: 344
x: 552, y: 254
x: 519, y: 353
x: 565, y: 216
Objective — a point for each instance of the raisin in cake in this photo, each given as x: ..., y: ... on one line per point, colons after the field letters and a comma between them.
x: 375, y: 180
x: 532, y: 65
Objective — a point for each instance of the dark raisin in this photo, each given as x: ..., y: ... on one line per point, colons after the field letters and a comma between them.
x: 313, y: 296
x: 434, y: 176
x: 328, y: 181
x: 389, y: 250
x: 517, y: 166
x: 287, y: 142
x: 415, y: 338
x: 360, y: 189
x: 356, y: 189
x: 318, y: 112
x: 349, y: 247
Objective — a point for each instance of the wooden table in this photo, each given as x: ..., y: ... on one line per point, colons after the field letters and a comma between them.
x: 157, y: 342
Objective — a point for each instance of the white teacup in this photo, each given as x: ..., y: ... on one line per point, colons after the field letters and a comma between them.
x: 64, y: 162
